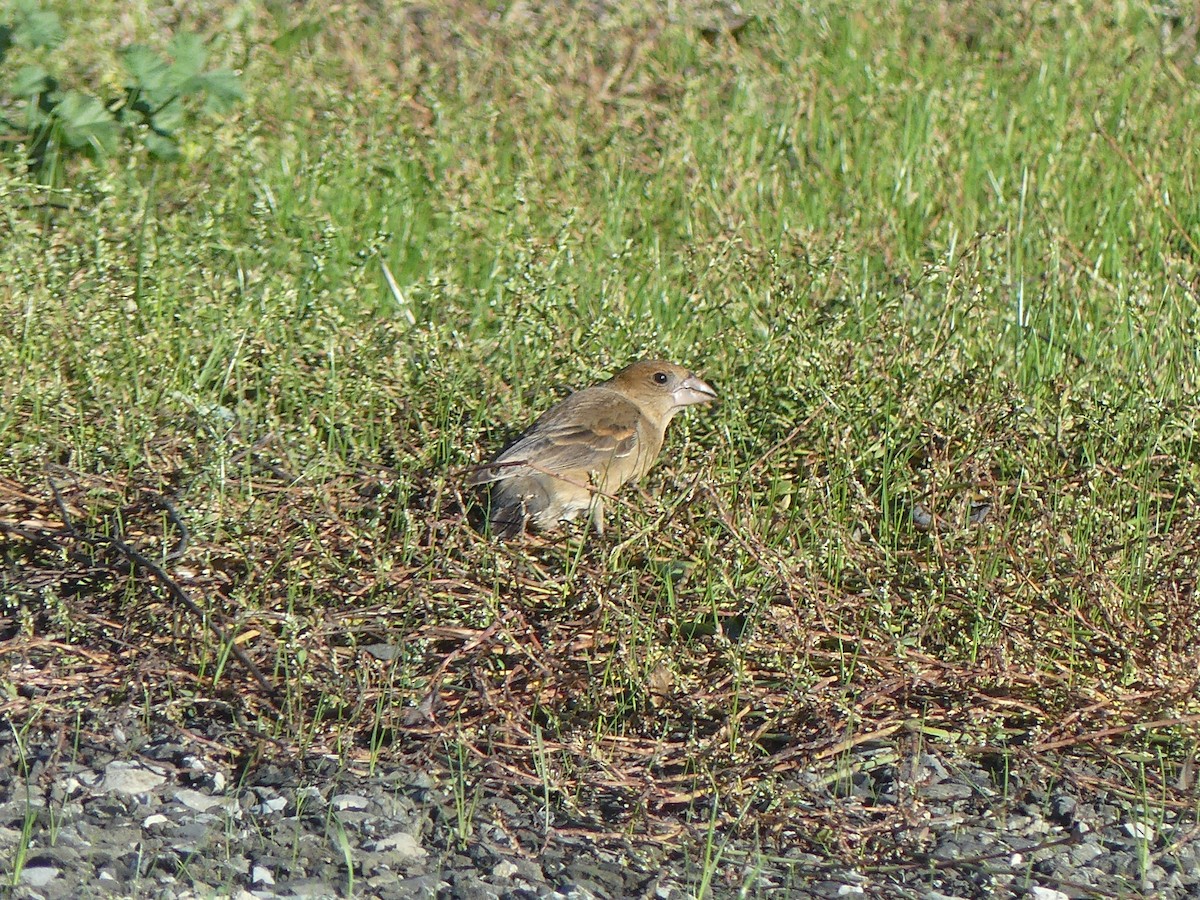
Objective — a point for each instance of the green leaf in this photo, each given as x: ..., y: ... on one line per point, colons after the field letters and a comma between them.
x: 147, y: 69
x: 298, y: 34
x: 37, y: 28
x: 36, y: 118
x: 86, y: 122
x: 188, y: 57
x: 31, y: 80
x: 224, y: 89
x: 5, y: 41
x: 239, y: 17
x: 169, y: 118
x: 161, y: 146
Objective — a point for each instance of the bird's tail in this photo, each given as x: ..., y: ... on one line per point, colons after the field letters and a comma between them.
x: 514, y: 502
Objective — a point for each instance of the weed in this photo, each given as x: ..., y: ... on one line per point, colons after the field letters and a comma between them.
x: 162, y: 97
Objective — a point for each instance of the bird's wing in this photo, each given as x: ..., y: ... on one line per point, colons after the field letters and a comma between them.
x: 586, y: 432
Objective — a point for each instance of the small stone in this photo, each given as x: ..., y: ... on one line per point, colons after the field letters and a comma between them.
x: 155, y: 819
x: 384, y: 652
x: 1063, y: 809
x: 350, y: 801
x: 937, y: 772
x: 1171, y: 886
x: 308, y: 887
x: 270, y: 806
x: 130, y: 778
x: 1083, y: 854
x: 1153, y: 875
x: 594, y: 876
x: 827, y: 889
x: 922, y: 518
x: 1140, y: 830
x: 570, y: 891
x: 1036, y: 827
x: 419, y: 886
x: 309, y: 795
x: 1117, y: 862
x: 470, y: 885
x: 194, y: 800
x: 38, y: 876
x: 402, y: 845
x: 947, y: 790
x: 191, y: 836
x: 504, y: 869
x: 1044, y: 893
x: 261, y: 875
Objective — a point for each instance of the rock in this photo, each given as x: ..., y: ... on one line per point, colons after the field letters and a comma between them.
x: 948, y: 790
x: 199, y: 802
x: 310, y: 796
x: 934, y: 770
x: 130, y: 778
x: 270, y: 807
x: 401, y: 845
x: 1063, y: 809
x: 349, y: 801
x: 829, y: 889
x: 1140, y: 830
x: 315, y: 888
x: 38, y: 876
x: 419, y: 887
x: 1153, y: 875
x: 504, y: 870
x: 470, y: 886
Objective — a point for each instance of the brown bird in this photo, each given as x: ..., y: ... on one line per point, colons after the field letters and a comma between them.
x: 587, y: 446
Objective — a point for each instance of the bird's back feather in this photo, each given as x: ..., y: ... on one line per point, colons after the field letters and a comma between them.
x: 589, y: 431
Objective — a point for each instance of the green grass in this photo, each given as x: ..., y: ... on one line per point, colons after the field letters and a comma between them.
x: 932, y: 258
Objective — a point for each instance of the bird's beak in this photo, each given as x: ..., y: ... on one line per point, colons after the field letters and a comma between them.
x: 692, y: 390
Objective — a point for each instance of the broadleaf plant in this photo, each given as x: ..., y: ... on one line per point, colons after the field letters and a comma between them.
x: 164, y: 94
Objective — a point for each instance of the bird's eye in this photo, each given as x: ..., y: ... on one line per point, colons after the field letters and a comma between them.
x: 661, y: 377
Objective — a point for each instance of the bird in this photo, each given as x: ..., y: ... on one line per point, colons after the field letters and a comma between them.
x: 586, y: 447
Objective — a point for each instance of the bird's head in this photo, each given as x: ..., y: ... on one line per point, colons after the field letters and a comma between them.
x: 661, y: 388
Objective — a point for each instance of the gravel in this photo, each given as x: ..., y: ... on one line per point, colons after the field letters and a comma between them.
x: 165, y: 814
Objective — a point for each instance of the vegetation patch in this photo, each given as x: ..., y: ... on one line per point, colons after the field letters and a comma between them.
x: 941, y: 268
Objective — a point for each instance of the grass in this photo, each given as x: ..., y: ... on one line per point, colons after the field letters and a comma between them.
x: 940, y: 263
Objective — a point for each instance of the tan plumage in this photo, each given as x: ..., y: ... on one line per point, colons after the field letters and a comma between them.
x: 589, y: 445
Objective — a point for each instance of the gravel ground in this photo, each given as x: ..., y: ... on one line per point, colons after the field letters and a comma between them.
x: 156, y: 814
